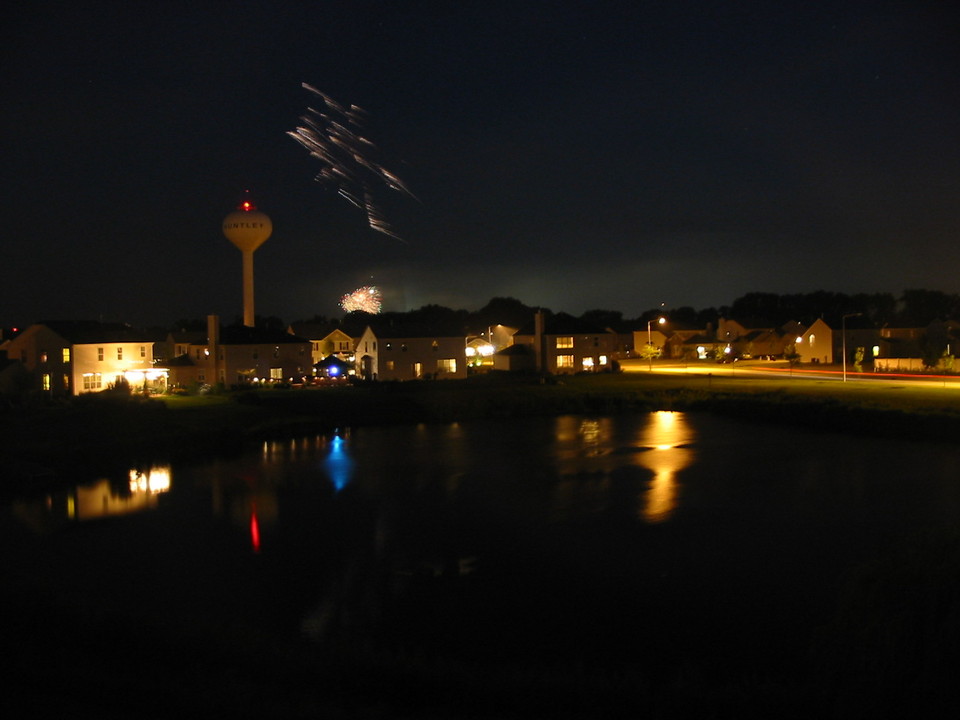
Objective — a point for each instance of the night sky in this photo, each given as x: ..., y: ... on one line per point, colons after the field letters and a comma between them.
x: 572, y: 155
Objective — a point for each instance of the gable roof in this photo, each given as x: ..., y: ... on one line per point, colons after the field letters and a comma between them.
x: 85, y: 332
x: 564, y: 324
x: 244, y: 335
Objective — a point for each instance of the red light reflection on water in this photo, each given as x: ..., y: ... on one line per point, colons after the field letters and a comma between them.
x: 254, y: 528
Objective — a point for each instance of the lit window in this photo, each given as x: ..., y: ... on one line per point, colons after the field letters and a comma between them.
x: 876, y: 351
x: 92, y: 381
x: 811, y: 338
x: 564, y: 362
x: 446, y: 365
x: 390, y: 365
x: 564, y: 342
x: 66, y: 355
x: 603, y: 360
x: 588, y: 363
x: 276, y: 373
x: 43, y: 356
x: 46, y: 381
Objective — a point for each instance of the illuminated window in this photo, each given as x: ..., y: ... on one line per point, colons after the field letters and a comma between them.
x: 564, y: 362
x: 276, y: 373
x: 46, y: 381
x: 588, y: 363
x: 43, y: 356
x: 447, y: 365
x: 390, y: 365
x: 100, y: 354
x: 811, y: 338
x: 66, y: 355
x: 876, y: 351
x: 418, y: 370
x: 92, y: 381
x: 564, y: 342
x: 603, y: 360
x: 66, y: 382
x: 119, y: 353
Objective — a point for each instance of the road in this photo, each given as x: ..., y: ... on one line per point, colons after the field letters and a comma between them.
x: 782, y: 369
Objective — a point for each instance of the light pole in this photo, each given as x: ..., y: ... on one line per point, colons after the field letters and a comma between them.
x: 660, y: 321
x: 843, y: 334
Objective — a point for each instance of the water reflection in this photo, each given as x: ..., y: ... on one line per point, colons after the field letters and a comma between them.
x: 338, y: 464
x: 103, y: 498
x: 667, y: 435
x: 137, y: 492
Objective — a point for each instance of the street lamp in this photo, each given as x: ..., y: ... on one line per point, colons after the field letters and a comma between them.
x: 843, y: 333
x: 660, y: 321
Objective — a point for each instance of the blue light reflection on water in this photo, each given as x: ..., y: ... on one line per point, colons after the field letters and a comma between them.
x: 338, y: 464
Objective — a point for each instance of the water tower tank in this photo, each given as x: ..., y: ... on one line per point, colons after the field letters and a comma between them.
x: 247, y: 228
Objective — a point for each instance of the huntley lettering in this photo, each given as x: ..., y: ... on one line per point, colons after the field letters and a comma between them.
x: 228, y: 226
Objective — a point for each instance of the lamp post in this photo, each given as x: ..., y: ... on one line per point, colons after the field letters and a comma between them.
x: 660, y: 321
x: 843, y: 334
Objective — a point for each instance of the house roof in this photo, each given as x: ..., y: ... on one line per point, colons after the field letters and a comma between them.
x: 84, y: 332
x: 563, y: 324
x: 313, y: 330
x: 243, y: 335
x: 516, y: 350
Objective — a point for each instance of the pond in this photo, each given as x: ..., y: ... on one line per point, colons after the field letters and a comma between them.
x: 667, y: 546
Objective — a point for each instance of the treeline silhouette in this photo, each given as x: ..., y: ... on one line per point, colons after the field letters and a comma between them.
x: 912, y: 308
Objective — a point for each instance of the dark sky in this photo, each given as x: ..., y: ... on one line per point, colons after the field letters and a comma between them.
x: 573, y: 155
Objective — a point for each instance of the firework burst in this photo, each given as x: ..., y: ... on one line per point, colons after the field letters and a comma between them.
x: 334, y: 137
x: 366, y: 299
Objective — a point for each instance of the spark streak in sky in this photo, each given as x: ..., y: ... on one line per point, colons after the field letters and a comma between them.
x: 366, y: 299
x: 333, y: 136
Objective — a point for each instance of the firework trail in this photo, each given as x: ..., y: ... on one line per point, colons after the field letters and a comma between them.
x: 333, y: 136
x: 366, y: 299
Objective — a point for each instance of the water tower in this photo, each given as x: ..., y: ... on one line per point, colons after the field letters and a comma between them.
x: 247, y: 228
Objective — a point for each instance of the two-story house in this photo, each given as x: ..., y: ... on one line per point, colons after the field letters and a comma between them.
x: 238, y: 355
x: 74, y: 357
x: 564, y: 344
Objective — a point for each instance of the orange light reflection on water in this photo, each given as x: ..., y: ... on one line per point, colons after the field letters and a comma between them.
x: 667, y: 436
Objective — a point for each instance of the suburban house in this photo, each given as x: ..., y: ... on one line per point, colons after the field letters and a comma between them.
x: 563, y: 344
x: 326, y: 339
x: 387, y: 352
x: 238, y: 355
x: 74, y: 357
x: 815, y: 344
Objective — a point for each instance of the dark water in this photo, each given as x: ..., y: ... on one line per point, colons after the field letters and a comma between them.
x: 675, y: 548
